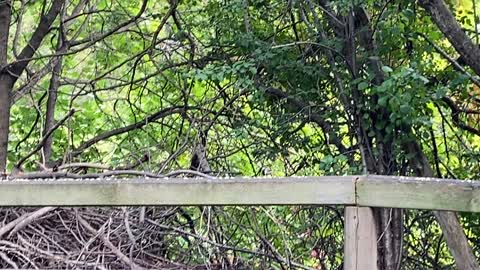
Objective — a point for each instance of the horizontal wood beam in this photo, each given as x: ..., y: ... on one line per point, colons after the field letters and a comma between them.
x: 189, y: 191
x: 418, y: 193
x: 371, y: 191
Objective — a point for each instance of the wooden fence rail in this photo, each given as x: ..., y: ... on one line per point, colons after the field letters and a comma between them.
x: 371, y: 190
x: 358, y: 193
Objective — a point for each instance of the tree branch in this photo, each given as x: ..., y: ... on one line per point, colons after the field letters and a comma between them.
x: 108, y: 243
x: 452, y: 30
x: 314, y: 117
x: 456, y: 118
x: 5, y: 17
x: 40, y: 32
x: 44, y: 139
x: 151, y: 118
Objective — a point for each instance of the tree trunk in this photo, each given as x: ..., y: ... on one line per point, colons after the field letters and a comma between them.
x: 50, y: 113
x: 5, y: 14
x: 9, y: 73
x: 452, y: 229
x: 456, y: 240
x: 446, y: 22
x: 6, y: 84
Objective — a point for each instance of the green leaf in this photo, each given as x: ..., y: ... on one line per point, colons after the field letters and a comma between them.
x: 382, y: 101
x: 405, y: 108
x: 387, y: 69
x: 362, y: 86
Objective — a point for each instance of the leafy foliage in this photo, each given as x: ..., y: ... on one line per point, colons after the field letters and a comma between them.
x: 274, y: 87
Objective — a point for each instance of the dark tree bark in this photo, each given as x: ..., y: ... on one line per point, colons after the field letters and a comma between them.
x: 9, y: 73
x: 46, y: 21
x: 452, y: 229
x: 470, y: 53
x: 5, y: 14
x: 389, y: 221
x: 51, y: 104
x: 446, y: 22
x: 6, y: 82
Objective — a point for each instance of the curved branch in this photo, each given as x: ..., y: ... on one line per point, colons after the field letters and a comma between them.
x: 97, y: 37
x: 452, y: 30
x: 44, y: 139
x: 40, y: 32
x: 313, y: 117
x: 456, y: 118
x: 151, y: 118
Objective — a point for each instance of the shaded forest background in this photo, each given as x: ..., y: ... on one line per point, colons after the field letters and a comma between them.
x: 237, y: 88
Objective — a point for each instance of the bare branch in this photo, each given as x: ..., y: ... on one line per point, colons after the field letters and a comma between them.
x: 109, y: 244
x: 40, y: 32
x: 151, y: 118
x: 446, y: 22
x: 44, y: 139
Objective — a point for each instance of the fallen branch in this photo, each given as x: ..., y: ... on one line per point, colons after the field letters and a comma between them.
x: 23, y: 220
x: 67, y: 175
x: 192, y: 172
x: 83, y: 165
x: 8, y: 260
x: 109, y: 244
x: 30, y: 218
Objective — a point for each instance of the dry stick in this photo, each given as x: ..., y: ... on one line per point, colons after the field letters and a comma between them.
x: 42, y: 29
x: 30, y: 218
x: 20, y: 256
x: 112, y: 31
x: 452, y: 61
x: 141, y: 123
x: 121, y: 172
x: 11, y: 225
x: 129, y: 231
x: 83, y: 165
x: 196, y: 173
x: 109, y: 244
x: 43, y: 175
x: 171, y: 10
x: 242, y: 250
x: 54, y: 175
x: 7, y: 260
x: 44, y: 253
x: 44, y: 139
x: 24, y: 220
x: 456, y: 118
x: 446, y: 22
x: 146, y: 157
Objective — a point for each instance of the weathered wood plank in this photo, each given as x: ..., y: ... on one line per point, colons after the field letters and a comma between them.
x: 418, y: 193
x: 191, y: 191
x: 360, y: 239
x: 373, y: 191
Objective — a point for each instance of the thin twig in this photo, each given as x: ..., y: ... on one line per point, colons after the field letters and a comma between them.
x: 83, y: 165
x: 8, y: 260
x: 30, y: 218
x: 44, y: 139
x: 452, y: 61
x: 109, y: 244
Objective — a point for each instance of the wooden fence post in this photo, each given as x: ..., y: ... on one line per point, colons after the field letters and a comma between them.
x: 360, y: 250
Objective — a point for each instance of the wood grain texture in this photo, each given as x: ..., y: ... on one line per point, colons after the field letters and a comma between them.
x: 418, y: 193
x: 190, y: 191
x: 360, y: 239
x: 461, y: 251
x: 372, y: 191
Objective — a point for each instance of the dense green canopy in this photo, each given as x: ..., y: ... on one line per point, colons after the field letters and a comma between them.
x: 239, y: 87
